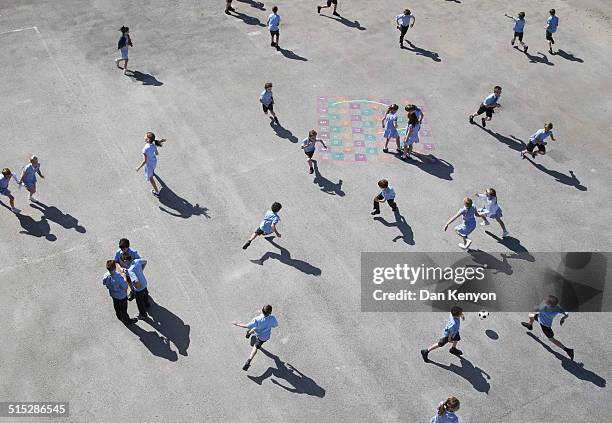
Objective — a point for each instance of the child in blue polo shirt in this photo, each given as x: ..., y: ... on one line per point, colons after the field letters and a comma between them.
x: 537, y: 139
x: 261, y: 326
x: 446, y: 411
x: 451, y: 334
x: 267, y: 225
x: 387, y: 194
x: 519, y: 28
x: 266, y: 99
x: 488, y: 106
x: 273, y: 26
x: 551, y: 27
x: 545, y: 315
x: 117, y: 288
x: 4, y: 183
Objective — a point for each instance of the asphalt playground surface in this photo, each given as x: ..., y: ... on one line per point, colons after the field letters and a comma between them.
x: 197, y: 81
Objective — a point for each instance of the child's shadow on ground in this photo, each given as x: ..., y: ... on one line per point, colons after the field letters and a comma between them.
x: 577, y: 369
x: 145, y: 78
x: 249, y: 20
x: 571, y: 180
x: 298, y: 382
x: 181, y: 207
x: 514, y: 245
x: 512, y: 142
x: 282, y: 132
x: 54, y: 214
x: 158, y: 345
x: 569, y: 56
x: 38, y: 229
x: 256, y: 4
x: 285, y: 258
x: 170, y: 326
x: 422, y: 52
x: 351, y: 24
x: 474, y: 375
x: 289, y: 54
x: 429, y: 163
x: 400, y: 223
x: 325, y: 184
x: 537, y: 59
x: 491, y: 262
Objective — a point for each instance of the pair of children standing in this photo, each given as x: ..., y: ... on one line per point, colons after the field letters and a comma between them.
x: 389, y: 124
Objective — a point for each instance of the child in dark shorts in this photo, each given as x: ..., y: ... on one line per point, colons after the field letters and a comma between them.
x: 329, y: 4
x: 519, y: 28
x: 267, y: 225
x: 309, y: 146
x: 488, y: 106
x: 451, y: 334
x: 261, y: 326
x: 538, y: 139
x: 267, y: 101
x: 545, y: 314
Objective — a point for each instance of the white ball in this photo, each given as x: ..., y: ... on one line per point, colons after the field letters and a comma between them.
x: 483, y: 314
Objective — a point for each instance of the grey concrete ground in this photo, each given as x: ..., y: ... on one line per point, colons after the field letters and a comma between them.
x: 200, y: 76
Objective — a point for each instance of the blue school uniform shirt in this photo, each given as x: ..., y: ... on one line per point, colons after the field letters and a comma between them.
x: 553, y: 23
x: 4, y: 183
x: 388, y: 193
x: 447, y: 417
x: 490, y: 100
x: 137, y: 274
x: 266, y: 97
x: 30, y: 173
x: 404, y: 20
x: 116, y: 285
x: 519, y: 25
x: 269, y: 219
x: 468, y: 214
x: 309, y: 145
x: 452, y: 326
x: 539, y: 136
x: 262, y: 326
x: 547, y: 314
x: 273, y: 21
x: 133, y: 253
x: 390, y: 120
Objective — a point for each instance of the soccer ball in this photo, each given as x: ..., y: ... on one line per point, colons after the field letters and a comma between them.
x: 483, y: 314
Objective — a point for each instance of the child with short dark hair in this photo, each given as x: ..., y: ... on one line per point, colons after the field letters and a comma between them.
x: 403, y: 22
x: 446, y: 411
x: 309, y: 146
x: 519, y: 28
x: 551, y: 27
x: 538, y: 139
x: 545, y: 314
x: 488, y: 106
x: 261, y: 326
x: 4, y: 183
x: 267, y: 225
x: 273, y: 26
x: 387, y: 194
x: 451, y: 334
x: 267, y: 101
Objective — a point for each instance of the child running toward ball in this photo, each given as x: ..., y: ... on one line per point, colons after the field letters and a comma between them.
x: 412, y: 134
x: 387, y: 194
x: 537, y: 139
x: 389, y: 124
x: 451, y: 334
x: 267, y: 101
x: 545, y: 314
x: 468, y: 213
x: 492, y: 210
x: 267, y: 225
x: 309, y: 146
x: 519, y: 28
x: 7, y: 175
x: 446, y: 411
x: 488, y: 106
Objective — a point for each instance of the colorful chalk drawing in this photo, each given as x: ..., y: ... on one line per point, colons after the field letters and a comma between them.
x: 352, y: 129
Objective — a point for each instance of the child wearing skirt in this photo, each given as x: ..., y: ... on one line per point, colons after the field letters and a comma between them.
x: 149, y: 161
x: 123, y: 45
x: 389, y: 124
x: 467, y: 213
x: 412, y: 134
x: 4, y: 183
x: 28, y: 176
x: 492, y: 210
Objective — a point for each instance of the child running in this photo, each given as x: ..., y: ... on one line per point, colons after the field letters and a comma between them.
x: 125, y: 42
x: 329, y: 4
x: 451, y: 334
x: 519, y: 28
x: 468, y: 213
x: 537, y: 140
x: 149, y: 160
x: 389, y: 124
x: 412, y: 134
x: 309, y: 146
x: 267, y: 101
x: 545, y: 315
x: 28, y: 176
x: 552, y: 23
x: 273, y: 26
x: 261, y: 326
x: 492, y: 210
x: 387, y: 194
x: 267, y: 225
x: 446, y: 411
x: 488, y: 106
x: 403, y: 22
x: 7, y: 175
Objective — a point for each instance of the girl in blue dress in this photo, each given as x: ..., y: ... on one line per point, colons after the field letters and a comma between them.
x: 28, y: 176
x: 446, y: 411
x: 468, y: 212
x: 389, y: 124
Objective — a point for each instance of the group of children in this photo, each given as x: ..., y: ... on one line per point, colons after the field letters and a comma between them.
x: 389, y: 124
x: 552, y: 23
x: 28, y: 179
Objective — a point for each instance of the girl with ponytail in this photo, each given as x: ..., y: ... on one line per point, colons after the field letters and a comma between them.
x: 446, y: 411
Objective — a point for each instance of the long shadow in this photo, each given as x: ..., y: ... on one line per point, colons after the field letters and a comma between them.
x: 570, y: 180
x: 285, y: 258
x: 400, y: 223
x: 157, y: 345
x: 170, y: 326
x: 431, y: 164
x: 249, y: 20
x: 491, y: 262
x: 256, y: 4
x: 297, y: 382
x: 54, y: 214
x: 537, y: 59
x: 325, y: 184
x: 512, y: 142
x: 351, y: 24
x: 289, y: 54
x: 569, y: 56
x: 145, y: 78
x: 181, y: 207
x: 422, y: 52
x: 577, y: 369
x: 514, y: 245
x: 282, y: 132
x: 38, y: 229
x: 474, y: 375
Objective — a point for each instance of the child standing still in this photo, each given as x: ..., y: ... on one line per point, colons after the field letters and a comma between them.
x: 446, y: 411
x: 28, y: 176
x: 309, y: 146
x: 267, y: 225
x: 519, y: 28
x: 412, y: 134
x: 387, y: 194
x: 273, y: 26
x: 538, y: 139
x: 389, y: 124
x: 467, y: 213
x: 267, y: 101
x: 7, y: 175
x: 492, y: 210
x: 149, y: 160
x: 451, y: 334
x: 545, y: 315
x: 125, y: 42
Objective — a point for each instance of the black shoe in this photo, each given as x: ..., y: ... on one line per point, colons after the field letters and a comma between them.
x: 246, y: 365
x: 526, y: 47
x: 523, y: 155
x: 512, y: 42
x: 425, y: 354
x: 319, y: 9
x: 336, y: 14
x: 385, y: 150
x: 276, y: 120
x: 550, y: 51
x: 227, y: 12
x: 394, y: 209
x: 231, y: 9
x: 570, y: 353
x: 471, y: 120
x: 131, y: 296
x: 399, y: 151
x: 527, y: 325
x: 375, y: 212
x: 246, y: 245
x: 272, y: 44
x: 248, y: 334
x: 311, y: 171
x: 130, y: 322
x: 484, y: 123
x: 455, y: 351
